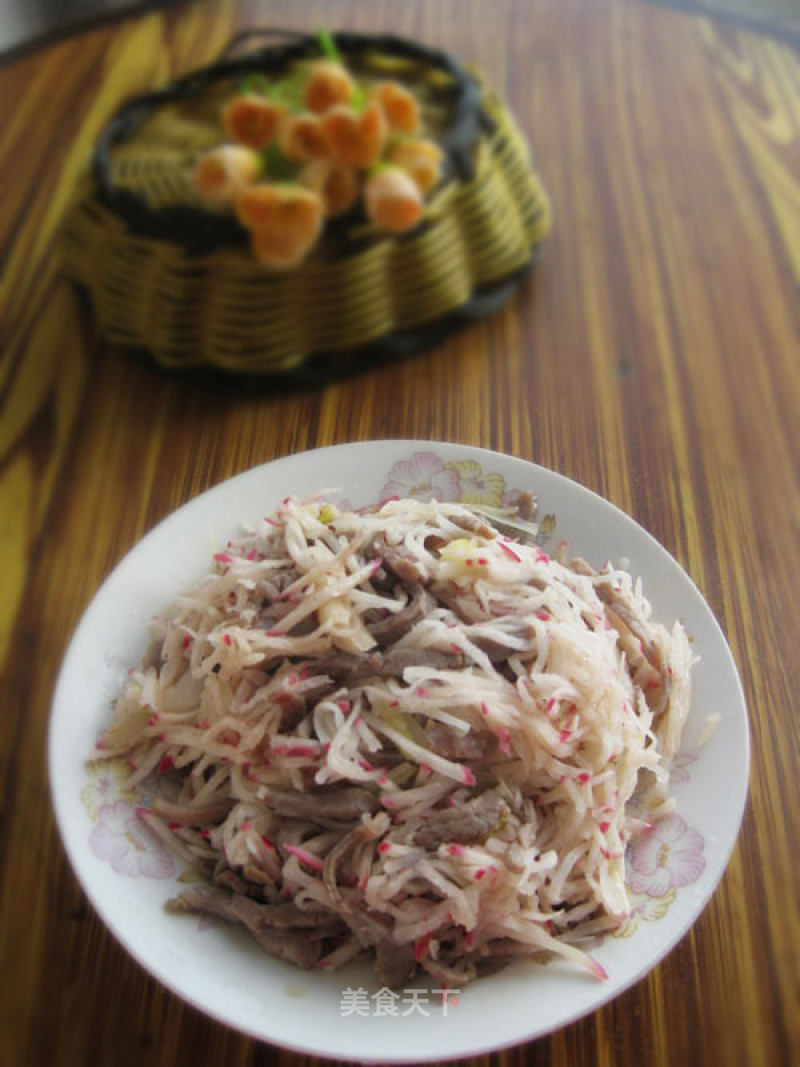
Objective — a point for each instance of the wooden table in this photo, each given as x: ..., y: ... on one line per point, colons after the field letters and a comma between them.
x: 653, y: 357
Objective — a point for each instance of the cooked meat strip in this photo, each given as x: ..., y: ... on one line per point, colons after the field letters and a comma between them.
x: 294, y: 948
x: 282, y: 914
x: 354, y: 667
x: 256, y: 877
x: 452, y: 976
x: 620, y: 615
x: 205, y: 901
x: 285, y: 943
x: 287, y: 916
x: 497, y: 651
x: 406, y: 568
x: 345, y: 804
x: 368, y: 928
x: 490, y: 965
x: 457, y: 746
x: 312, y: 694
x: 464, y: 825
x: 293, y: 713
x: 394, y: 963
x: 229, y: 879
x: 518, y: 528
x: 186, y: 815
x: 446, y: 597
x: 474, y: 524
x: 394, y: 626
x: 505, y: 949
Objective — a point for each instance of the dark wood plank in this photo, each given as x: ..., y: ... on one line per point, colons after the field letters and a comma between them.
x: 653, y: 357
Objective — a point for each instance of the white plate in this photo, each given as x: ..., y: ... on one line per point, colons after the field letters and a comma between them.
x: 217, y: 968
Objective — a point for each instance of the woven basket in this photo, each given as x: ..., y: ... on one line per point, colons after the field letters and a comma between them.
x: 167, y: 274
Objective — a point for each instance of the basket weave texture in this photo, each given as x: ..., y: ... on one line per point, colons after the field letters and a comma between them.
x: 166, y: 274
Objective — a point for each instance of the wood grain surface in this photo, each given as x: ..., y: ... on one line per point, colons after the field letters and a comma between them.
x: 653, y: 356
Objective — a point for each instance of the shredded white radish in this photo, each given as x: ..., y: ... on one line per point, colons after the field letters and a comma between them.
x: 417, y: 735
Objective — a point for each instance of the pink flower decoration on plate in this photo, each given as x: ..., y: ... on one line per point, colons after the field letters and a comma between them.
x: 120, y: 838
x: 423, y: 476
x: 679, y: 771
x: 669, y: 856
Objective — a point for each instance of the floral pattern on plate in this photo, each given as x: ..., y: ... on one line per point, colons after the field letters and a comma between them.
x: 669, y: 856
x: 119, y: 836
x: 679, y: 772
x: 425, y: 476
x: 659, y: 862
x: 643, y: 909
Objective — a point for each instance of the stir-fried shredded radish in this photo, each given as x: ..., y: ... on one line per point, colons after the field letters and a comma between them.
x: 398, y: 731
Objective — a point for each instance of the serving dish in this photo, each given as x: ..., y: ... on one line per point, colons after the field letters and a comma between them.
x: 127, y: 877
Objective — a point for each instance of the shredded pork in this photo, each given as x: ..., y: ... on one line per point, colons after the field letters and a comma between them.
x: 399, y: 732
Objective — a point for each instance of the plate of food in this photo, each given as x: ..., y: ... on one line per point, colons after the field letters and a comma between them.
x: 398, y: 751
